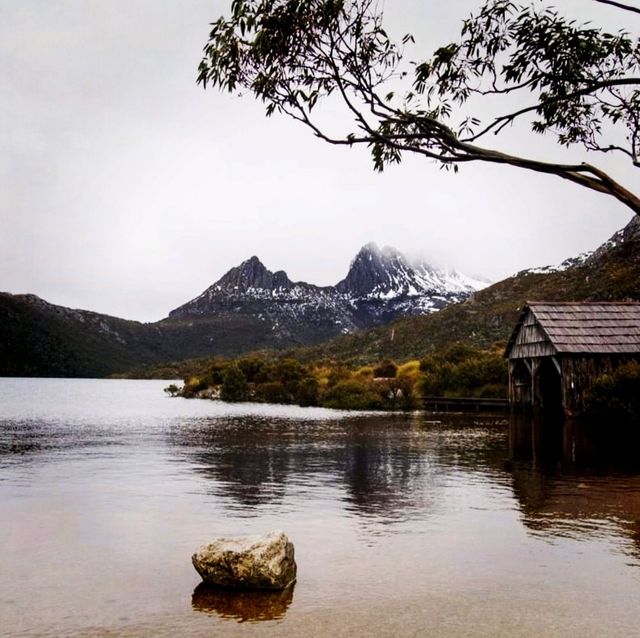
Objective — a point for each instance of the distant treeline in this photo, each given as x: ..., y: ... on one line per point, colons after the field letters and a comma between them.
x: 458, y: 370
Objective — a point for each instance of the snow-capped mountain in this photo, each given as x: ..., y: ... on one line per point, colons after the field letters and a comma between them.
x: 380, y: 285
x: 386, y: 273
x: 386, y: 277
x: 629, y: 232
x: 251, y: 308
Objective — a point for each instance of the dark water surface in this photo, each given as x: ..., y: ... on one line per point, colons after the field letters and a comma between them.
x: 403, y: 525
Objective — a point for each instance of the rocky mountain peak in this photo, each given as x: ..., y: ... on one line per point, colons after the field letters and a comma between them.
x: 386, y: 273
x: 380, y: 284
x: 375, y: 271
x: 252, y: 274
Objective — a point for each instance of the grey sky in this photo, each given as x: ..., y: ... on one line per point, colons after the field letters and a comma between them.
x: 126, y: 189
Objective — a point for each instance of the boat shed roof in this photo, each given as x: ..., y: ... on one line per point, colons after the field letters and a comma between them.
x: 581, y: 327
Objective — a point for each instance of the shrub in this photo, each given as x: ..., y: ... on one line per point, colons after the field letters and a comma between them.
x: 216, y: 370
x: 337, y: 375
x: 272, y: 392
x: 365, y: 372
x: 192, y: 385
x: 234, y: 384
x: 172, y: 390
x: 385, y: 370
x: 308, y: 392
x: 464, y: 371
x: 254, y: 369
x: 492, y: 391
x: 616, y: 396
x: 352, y: 394
x: 409, y: 370
x: 396, y: 394
x: 458, y: 352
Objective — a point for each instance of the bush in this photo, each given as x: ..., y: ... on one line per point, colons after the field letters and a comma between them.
x: 616, y: 396
x: 461, y: 370
x: 234, y: 384
x: 352, y: 394
x: 492, y: 391
x: 216, y: 370
x: 254, y: 369
x: 409, y: 370
x: 459, y: 352
x: 308, y: 392
x: 396, y: 394
x: 172, y: 390
x: 192, y: 385
x: 273, y: 392
x: 385, y: 370
x: 337, y: 375
x: 365, y: 372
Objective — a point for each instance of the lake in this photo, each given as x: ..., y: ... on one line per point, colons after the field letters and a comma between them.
x: 404, y: 525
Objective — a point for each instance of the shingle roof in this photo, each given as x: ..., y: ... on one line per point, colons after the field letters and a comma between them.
x: 588, y: 327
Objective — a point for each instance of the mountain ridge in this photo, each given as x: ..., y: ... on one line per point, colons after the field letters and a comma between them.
x: 609, y: 273
x: 248, y: 308
x: 380, y: 284
x: 40, y: 339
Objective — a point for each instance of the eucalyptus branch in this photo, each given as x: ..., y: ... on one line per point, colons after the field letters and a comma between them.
x: 620, y: 5
x: 291, y: 55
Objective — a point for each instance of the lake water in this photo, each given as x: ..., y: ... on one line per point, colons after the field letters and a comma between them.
x: 404, y: 525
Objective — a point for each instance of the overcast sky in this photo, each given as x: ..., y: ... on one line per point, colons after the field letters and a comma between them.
x: 126, y: 189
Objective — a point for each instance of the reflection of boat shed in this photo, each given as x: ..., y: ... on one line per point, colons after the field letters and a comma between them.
x: 557, y: 349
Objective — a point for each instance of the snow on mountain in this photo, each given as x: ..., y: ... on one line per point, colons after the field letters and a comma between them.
x: 567, y: 263
x: 381, y: 285
x: 387, y: 274
x: 630, y: 231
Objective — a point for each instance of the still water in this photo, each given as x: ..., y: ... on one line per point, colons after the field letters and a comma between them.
x: 404, y: 525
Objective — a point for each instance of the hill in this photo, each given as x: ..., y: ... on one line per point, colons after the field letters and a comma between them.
x: 612, y: 272
x: 249, y: 308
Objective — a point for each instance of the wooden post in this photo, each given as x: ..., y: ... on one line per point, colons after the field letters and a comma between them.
x: 535, y: 403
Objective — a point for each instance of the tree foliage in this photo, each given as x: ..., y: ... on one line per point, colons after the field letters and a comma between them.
x: 568, y: 79
x: 234, y: 384
x: 616, y: 396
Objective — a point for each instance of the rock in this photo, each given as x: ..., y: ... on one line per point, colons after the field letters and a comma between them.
x: 253, y: 562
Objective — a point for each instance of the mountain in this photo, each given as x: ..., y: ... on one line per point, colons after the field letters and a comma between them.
x: 610, y: 273
x: 383, y: 284
x: 249, y: 308
x: 380, y: 286
x: 252, y: 308
x: 288, y: 313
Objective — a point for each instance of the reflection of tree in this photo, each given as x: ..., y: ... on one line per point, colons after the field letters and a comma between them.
x: 245, y: 456
x: 383, y: 471
x: 388, y: 466
x: 568, y: 475
x: 252, y: 606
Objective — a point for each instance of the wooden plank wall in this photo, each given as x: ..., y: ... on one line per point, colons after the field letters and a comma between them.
x: 531, y: 340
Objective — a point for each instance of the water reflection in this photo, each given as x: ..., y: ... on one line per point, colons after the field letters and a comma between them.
x: 392, y: 516
x: 576, y: 479
x: 386, y: 468
x: 243, y: 606
x: 253, y: 461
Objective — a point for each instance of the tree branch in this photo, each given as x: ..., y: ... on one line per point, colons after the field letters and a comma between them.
x: 500, y: 122
x: 619, y: 5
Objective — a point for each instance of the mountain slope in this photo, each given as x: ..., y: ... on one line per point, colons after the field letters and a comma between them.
x: 249, y: 308
x: 611, y: 273
x: 380, y: 285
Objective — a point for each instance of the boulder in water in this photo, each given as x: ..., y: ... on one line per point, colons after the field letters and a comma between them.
x: 252, y: 562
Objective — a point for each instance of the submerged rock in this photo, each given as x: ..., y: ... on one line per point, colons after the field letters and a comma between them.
x: 252, y: 562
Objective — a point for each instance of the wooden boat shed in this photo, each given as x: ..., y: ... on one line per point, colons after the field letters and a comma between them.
x: 557, y: 349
